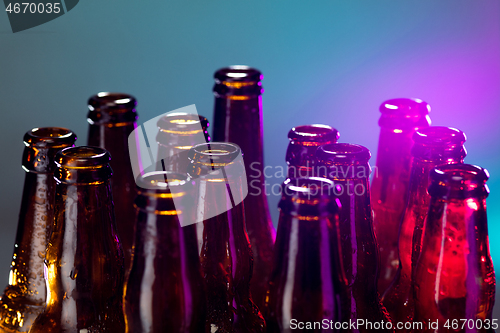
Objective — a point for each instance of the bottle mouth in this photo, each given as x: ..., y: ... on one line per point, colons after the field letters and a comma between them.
x: 458, y: 181
x: 82, y: 157
x: 214, y: 153
x: 182, y: 123
x: 315, y: 134
x: 309, y: 197
x: 404, y: 114
x: 161, y: 182
x: 49, y: 137
x: 342, y: 153
x: 439, y: 136
x: 112, y: 100
x: 238, y: 82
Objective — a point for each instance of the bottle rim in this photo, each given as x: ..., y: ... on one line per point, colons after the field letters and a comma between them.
x: 49, y: 137
x: 82, y: 157
x: 237, y: 73
x: 404, y: 114
x: 111, y: 101
x: 161, y: 182
x: 342, y: 153
x: 214, y: 153
x: 439, y: 136
x: 458, y: 181
x: 314, y: 133
x: 183, y: 123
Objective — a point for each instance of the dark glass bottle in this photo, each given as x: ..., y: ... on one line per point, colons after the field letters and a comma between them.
x: 84, y: 259
x: 238, y: 119
x: 301, y: 151
x: 433, y: 146
x: 399, y: 120
x: 177, y: 133
x: 347, y: 165
x: 454, y: 278
x: 164, y: 289
x: 24, y: 297
x: 226, y: 255
x: 112, y: 117
x: 305, y: 277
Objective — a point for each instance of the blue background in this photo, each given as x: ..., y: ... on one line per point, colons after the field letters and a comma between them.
x: 330, y: 62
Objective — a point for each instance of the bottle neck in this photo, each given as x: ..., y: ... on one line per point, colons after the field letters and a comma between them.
x: 238, y: 119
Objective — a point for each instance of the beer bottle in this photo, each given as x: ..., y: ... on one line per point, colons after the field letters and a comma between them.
x: 399, y: 120
x: 24, y: 297
x: 177, y: 133
x: 226, y: 255
x: 304, y: 278
x: 112, y: 117
x: 301, y: 151
x: 238, y: 119
x: 164, y: 288
x: 454, y: 279
x: 347, y: 165
x: 433, y: 146
x: 84, y: 258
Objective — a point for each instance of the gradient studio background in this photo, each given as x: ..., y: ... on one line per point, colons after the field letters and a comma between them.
x: 330, y: 62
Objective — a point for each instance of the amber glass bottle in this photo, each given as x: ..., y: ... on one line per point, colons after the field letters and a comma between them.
x: 454, y: 279
x: 301, y: 151
x: 226, y: 255
x: 399, y: 120
x: 164, y: 289
x: 433, y: 146
x: 304, y: 278
x: 24, y: 298
x: 112, y: 117
x: 177, y: 133
x: 238, y: 119
x: 347, y: 165
x: 84, y: 260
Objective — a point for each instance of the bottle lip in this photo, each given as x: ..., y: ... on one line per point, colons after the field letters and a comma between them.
x: 458, y: 181
x: 111, y: 101
x: 183, y: 123
x: 49, y: 137
x: 237, y: 73
x: 314, y: 133
x: 82, y: 157
x: 308, y: 187
x: 343, y: 153
x: 404, y: 113
x: 162, y: 182
x: 439, y: 136
x: 214, y: 153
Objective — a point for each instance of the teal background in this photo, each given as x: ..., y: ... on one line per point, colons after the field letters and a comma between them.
x: 330, y: 62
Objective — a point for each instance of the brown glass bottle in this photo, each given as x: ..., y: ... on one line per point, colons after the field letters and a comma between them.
x: 84, y: 258
x: 301, y: 151
x: 24, y: 298
x: 238, y: 119
x: 347, y: 166
x: 305, y: 278
x: 433, y: 146
x: 226, y: 255
x: 164, y: 289
x: 454, y: 279
x: 177, y: 133
x: 112, y: 117
x: 399, y: 120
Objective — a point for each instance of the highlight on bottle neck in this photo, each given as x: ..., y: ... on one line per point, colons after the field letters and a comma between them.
x: 309, y: 198
x: 438, y: 143
x: 42, y: 144
x: 179, y: 128
x: 403, y: 114
x: 112, y: 109
x: 313, y: 135
x: 238, y: 83
x: 458, y: 181
x: 340, y: 161
x: 162, y: 192
x: 83, y: 166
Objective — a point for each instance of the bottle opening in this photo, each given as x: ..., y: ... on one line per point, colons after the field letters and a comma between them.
x: 316, y: 133
x: 50, y: 137
x: 343, y: 153
x: 109, y: 100
x: 238, y: 83
x: 81, y: 157
x: 458, y: 181
x: 214, y: 153
x: 182, y: 123
x: 238, y: 73
x: 404, y: 113
x: 439, y: 135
